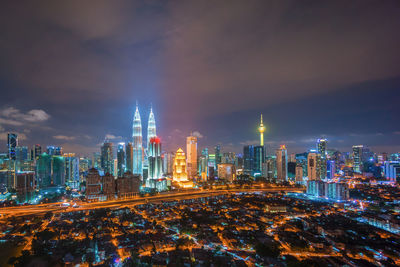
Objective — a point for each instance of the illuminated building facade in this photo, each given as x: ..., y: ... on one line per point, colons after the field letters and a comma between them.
x: 261, y: 130
x: 12, y: 143
x: 259, y: 159
x: 299, y: 173
x: 227, y: 172
x: 180, y: 175
x: 155, y: 162
x: 168, y: 163
x: 121, y: 159
x: 151, y: 127
x: 281, y: 164
x: 71, y: 170
x: 357, y: 158
x: 107, y: 158
x: 137, y: 144
x: 322, y: 150
x: 54, y: 150
x: 248, y: 160
x: 313, y: 166
x: 191, y: 153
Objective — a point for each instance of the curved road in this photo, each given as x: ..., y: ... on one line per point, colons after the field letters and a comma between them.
x: 57, y: 207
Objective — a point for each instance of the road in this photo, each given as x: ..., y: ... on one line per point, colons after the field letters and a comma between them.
x: 19, y: 211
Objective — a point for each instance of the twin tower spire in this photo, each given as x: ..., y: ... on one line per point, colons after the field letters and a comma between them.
x: 138, y: 140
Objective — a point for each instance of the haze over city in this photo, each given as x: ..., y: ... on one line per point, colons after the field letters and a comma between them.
x: 313, y: 69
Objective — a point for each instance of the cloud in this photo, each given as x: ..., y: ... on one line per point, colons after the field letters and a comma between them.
x: 397, y: 132
x: 64, y: 137
x: 112, y: 137
x: 14, y: 116
x: 250, y: 142
x: 197, y: 134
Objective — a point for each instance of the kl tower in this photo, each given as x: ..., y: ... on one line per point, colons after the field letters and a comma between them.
x: 261, y: 129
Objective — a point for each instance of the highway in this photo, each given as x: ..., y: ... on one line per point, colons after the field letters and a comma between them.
x: 41, y: 209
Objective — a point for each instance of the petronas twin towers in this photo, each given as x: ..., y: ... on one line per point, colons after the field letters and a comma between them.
x: 138, y: 152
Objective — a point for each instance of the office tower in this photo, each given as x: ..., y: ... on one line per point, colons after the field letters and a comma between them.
x: 84, y: 164
x: 191, y: 153
x: 137, y: 144
x: 129, y: 157
x: 155, y: 161
x: 302, y: 160
x: 261, y: 130
x: 107, y: 158
x: 227, y: 172
x: 316, y: 188
x: 108, y: 185
x: 248, y: 160
x: 180, y: 173
x: 337, y: 191
x: 270, y: 168
x: 259, y: 159
x: 21, y: 153
x: 281, y: 164
x: 357, y: 158
x: 168, y: 163
x: 322, y: 150
x: 218, y: 156
x: 115, y: 168
x: 391, y: 170
x: 299, y: 173
x: 151, y: 127
x: 313, y: 170
x: 54, y: 150
x: 229, y: 157
x: 72, y: 168
x: 330, y: 169
x: 203, y: 167
x: 12, y: 143
x: 38, y: 151
x: 204, y: 152
x: 121, y: 159
x: 96, y: 161
x: 43, y: 170
x: 58, y: 170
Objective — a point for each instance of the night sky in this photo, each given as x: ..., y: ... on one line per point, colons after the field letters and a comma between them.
x: 71, y: 72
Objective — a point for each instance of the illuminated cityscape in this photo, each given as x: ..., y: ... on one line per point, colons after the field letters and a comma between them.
x: 197, y: 133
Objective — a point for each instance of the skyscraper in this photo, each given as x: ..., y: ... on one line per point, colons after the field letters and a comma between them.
x: 38, y: 151
x: 71, y: 170
x: 12, y: 143
x: 281, y: 164
x: 129, y: 157
x: 137, y: 144
x: 259, y: 159
x: 191, y: 154
x: 261, y: 129
x: 107, y: 158
x: 218, y: 155
x: 248, y: 160
x: 321, y: 148
x: 121, y: 159
x: 151, y: 127
x: 357, y: 158
x: 155, y: 162
x: 313, y: 169
x: 180, y: 175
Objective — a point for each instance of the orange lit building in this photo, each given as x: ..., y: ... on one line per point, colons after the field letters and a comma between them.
x: 180, y: 175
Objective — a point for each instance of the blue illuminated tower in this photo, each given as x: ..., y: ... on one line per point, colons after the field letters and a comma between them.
x: 151, y: 127
x: 137, y: 144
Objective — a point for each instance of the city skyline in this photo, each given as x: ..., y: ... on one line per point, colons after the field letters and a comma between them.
x: 343, y: 80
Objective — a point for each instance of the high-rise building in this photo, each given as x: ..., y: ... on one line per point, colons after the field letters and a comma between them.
x: 12, y: 143
x: 151, y: 127
x: 180, y: 173
x: 357, y: 158
x: 391, y: 170
x: 302, y: 160
x: 72, y: 169
x: 322, y: 150
x: 203, y: 167
x: 281, y: 164
x: 168, y: 163
x: 227, y: 172
x: 248, y: 160
x: 155, y: 161
x: 218, y: 155
x: 129, y: 157
x: 191, y: 154
x: 330, y: 169
x: 107, y: 158
x: 299, y: 173
x: 261, y: 129
x: 259, y: 159
x: 121, y: 159
x: 96, y: 161
x: 38, y: 151
x: 313, y: 170
x: 137, y: 144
